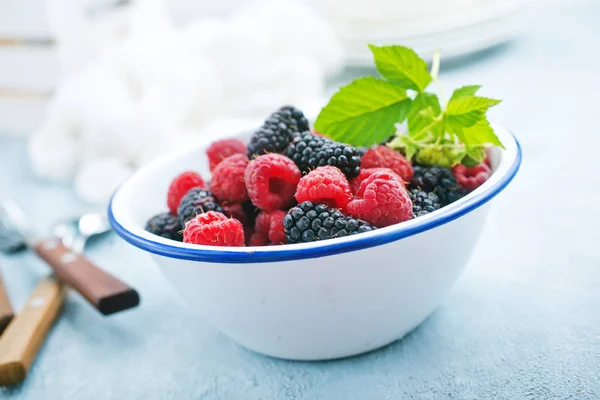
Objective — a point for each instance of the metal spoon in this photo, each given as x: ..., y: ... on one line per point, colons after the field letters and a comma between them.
x: 75, y: 232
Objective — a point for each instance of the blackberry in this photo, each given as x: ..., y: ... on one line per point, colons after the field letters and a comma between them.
x: 166, y: 225
x: 423, y: 202
x: 197, y: 201
x: 309, y: 222
x: 310, y: 151
x: 293, y: 117
x: 438, y: 180
x: 277, y: 132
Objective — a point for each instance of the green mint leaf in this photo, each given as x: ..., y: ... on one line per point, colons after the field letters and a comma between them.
x: 456, y: 129
x: 427, y: 126
x: 405, y: 144
x: 418, y: 117
x: 466, y: 111
x: 402, y: 66
x: 465, y: 91
x: 474, y: 156
x: 364, y: 112
x: 480, y: 134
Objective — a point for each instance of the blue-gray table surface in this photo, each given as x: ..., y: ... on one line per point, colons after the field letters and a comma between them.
x: 523, y: 322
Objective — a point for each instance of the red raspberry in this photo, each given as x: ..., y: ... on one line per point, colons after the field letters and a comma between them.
x: 221, y: 149
x: 270, y: 224
x: 384, y: 157
x: 248, y: 233
x: 326, y: 185
x: 214, y: 229
x: 271, y: 181
x: 381, y: 200
x: 235, y: 210
x: 180, y: 186
x: 471, y: 178
x: 366, y: 172
x: 258, y: 239
x: 227, y: 182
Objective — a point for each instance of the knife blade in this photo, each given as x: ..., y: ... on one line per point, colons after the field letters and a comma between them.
x: 102, y: 290
x: 11, y: 241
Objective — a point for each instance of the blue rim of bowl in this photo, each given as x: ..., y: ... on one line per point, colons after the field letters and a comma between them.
x: 328, y: 247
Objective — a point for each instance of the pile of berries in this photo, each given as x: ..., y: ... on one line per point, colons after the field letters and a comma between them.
x: 290, y: 185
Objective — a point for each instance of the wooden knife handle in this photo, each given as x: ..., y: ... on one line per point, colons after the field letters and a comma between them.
x: 6, y: 311
x: 23, y: 337
x: 102, y: 290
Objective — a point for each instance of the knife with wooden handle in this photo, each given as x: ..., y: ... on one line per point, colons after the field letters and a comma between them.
x: 105, y: 292
x: 24, y: 335
x: 102, y: 290
x: 6, y: 311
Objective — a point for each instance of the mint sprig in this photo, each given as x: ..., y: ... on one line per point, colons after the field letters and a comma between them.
x: 369, y: 110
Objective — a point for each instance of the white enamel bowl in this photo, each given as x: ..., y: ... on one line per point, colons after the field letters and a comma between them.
x: 321, y: 300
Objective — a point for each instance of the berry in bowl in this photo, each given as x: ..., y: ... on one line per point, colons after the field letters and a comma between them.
x: 326, y: 243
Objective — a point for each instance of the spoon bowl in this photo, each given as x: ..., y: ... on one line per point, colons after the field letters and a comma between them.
x: 76, y: 231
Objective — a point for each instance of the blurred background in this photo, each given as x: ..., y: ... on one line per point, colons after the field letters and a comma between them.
x: 99, y: 87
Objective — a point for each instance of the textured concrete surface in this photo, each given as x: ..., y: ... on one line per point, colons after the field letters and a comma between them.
x: 522, y: 323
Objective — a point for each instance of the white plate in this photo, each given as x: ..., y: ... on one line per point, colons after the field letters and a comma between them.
x: 453, y: 37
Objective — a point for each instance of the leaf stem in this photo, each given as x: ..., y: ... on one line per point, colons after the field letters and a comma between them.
x: 435, y: 71
x: 435, y: 65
